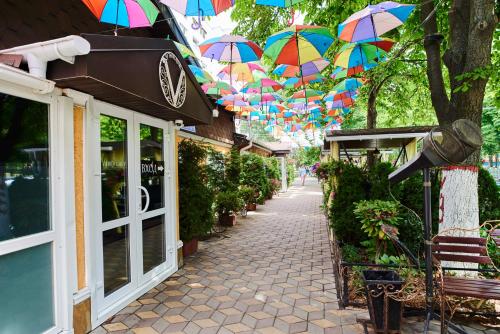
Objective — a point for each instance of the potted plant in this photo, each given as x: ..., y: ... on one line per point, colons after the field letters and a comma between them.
x: 248, y: 195
x: 376, y: 217
x: 196, y: 199
x: 228, y: 203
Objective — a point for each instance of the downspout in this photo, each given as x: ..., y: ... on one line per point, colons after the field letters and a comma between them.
x: 246, y: 148
x: 37, y: 55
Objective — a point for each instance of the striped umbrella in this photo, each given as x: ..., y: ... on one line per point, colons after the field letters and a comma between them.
x: 348, y: 84
x: 232, y: 49
x: 184, y: 50
x: 218, y: 88
x: 282, y: 4
x: 126, y: 13
x: 309, y: 68
x: 373, y: 21
x: 247, y: 72
x: 340, y: 72
x: 302, y: 81
x: 264, y: 85
x: 200, y: 74
x: 199, y: 8
x: 363, y: 54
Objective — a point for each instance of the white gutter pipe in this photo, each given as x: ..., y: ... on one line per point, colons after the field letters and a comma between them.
x: 246, y: 148
x: 38, y: 54
x: 24, y: 79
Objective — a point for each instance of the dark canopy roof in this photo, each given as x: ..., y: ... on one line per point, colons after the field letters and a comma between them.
x: 125, y: 71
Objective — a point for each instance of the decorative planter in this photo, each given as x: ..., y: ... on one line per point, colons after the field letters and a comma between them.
x: 190, y: 247
x: 227, y: 220
x: 251, y: 207
x: 385, y: 312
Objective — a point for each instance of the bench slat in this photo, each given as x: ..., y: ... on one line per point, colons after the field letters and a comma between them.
x: 462, y: 258
x: 459, y: 240
x: 460, y: 249
x: 478, y: 288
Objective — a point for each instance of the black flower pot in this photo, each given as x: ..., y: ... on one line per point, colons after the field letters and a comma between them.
x: 385, y: 312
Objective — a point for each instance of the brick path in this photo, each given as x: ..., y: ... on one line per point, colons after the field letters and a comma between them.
x: 272, y: 273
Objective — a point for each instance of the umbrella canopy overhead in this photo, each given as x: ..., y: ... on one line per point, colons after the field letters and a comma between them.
x: 218, y: 88
x: 309, y: 68
x: 301, y: 82
x: 260, y: 86
x: 126, y: 13
x: 231, y: 48
x: 278, y: 3
x: 373, y: 21
x: 362, y: 54
x: 348, y: 84
x: 246, y: 72
x: 199, y: 7
x: 184, y: 50
x: 200, y: 74
x: 298, y: 44
x: 340, y: 72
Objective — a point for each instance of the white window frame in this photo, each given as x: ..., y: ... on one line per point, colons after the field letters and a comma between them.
x: 61, y: 199
x: 99, y: 314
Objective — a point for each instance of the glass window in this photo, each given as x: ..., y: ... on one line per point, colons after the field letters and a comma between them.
x: 152, y: 166
x: 153, y: 242
x: 114, y: 185
x: 26, y: 291
x: 115, y: 243
x: 24, y: 167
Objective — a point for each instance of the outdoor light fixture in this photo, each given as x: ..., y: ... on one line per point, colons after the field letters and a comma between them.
x: 452, y: 147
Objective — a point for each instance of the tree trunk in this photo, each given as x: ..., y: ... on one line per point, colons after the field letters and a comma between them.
x: 458, y: 207
x: 471, y: 27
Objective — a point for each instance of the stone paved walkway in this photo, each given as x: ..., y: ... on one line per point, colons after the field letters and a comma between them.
x: 272, y: 273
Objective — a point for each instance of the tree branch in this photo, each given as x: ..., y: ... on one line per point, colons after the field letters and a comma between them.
x: 439, y: 98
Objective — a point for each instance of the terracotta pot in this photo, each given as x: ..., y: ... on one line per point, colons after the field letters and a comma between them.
x: 251, y: 207
x: 227, y: 220
x: 190, y: 247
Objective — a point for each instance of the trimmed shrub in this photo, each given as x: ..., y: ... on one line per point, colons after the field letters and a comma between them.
x: 253, y: 174
x: 489, y: 197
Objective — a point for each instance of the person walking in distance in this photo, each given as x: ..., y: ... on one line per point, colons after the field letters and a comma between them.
x: 303, y: 173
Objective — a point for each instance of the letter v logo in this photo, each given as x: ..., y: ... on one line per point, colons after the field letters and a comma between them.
x: 175, y: 96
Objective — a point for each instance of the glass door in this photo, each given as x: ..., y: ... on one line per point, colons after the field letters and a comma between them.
x: 135, y: 232
x: 153, y: 236
x: 116, y: 226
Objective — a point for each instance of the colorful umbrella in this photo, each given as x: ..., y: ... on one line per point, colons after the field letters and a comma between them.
x: 301, y: 82
x: 237, y: 100
x: 256, y: 99
x: 282, y: 4
x: 307, y: 92
x: 247, y: 72
x: 126, y: 13
x: 264, y: 85
x: 199, y: 8
x: 218, y: 88
x: 232, y: 49
x: 342, y: 103
x: 309, y: 68
x: 298, y: 44
x: 348, y: 84
x: 374, y: 20
x: 362, y: 54
x: 335, y: 96
x: 184, y: 50
x: 200, y: 74
x: 340, y: 72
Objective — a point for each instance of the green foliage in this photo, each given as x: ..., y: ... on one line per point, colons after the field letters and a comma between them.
x: 233, y: 170
x: 290, y: 173
x: 351, y: 253
x: 392, y: 260
x: 489, y: 197
x: 253, y: 174
x: 215, y: 170
x: 247, y: 194
x: 378, y: 177
x: 228, y: 202
x: 195, y: 197
x: 375, y: 213
x: 490, y: 127
x: 351, y: 187
x: 308, y: 156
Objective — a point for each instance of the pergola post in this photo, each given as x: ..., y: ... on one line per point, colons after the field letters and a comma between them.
x: 335, y: 150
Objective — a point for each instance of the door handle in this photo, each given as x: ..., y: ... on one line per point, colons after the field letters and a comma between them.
x: 141, y: 211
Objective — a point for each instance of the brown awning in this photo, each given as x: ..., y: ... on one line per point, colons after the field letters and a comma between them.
x: 125, y: 71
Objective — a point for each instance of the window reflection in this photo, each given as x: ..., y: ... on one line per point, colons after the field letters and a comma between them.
x: 115, y: 244
x: 114, y: 186
x: 24, y: 167
x: 153, y: 242
x: 152, y: 166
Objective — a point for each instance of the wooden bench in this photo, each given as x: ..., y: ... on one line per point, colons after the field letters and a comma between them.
x: 468, y: 250
x: 495, y: 235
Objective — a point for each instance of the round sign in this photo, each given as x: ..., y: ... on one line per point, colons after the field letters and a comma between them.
x: 175, y: 96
